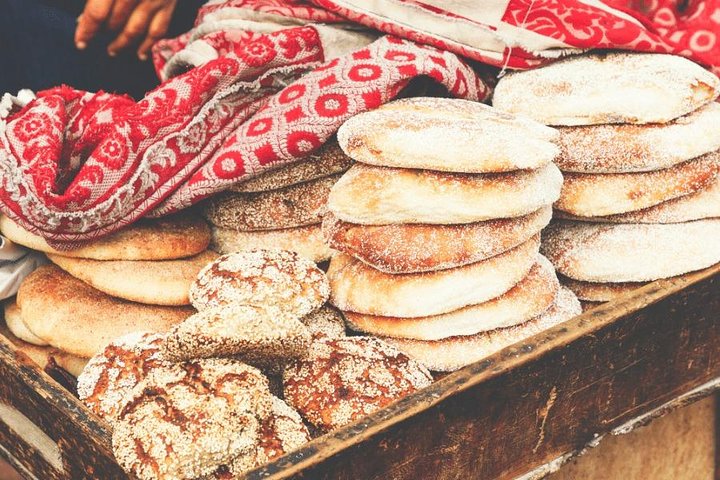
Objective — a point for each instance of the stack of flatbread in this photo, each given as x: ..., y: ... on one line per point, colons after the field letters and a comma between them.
x: 280, y: 209
x: 639, y: 140
x: 135, y: 280
x: 438, y: 229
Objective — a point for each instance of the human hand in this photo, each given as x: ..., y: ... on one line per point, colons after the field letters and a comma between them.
x: 140, y: 22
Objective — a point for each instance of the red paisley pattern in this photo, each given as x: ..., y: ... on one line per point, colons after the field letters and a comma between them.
x: 75, y: 166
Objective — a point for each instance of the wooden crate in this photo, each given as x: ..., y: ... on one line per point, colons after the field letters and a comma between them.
x: 517, y: 414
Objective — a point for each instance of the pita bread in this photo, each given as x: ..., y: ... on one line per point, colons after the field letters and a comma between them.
x: 355, y: 287
x: 329, y: 160
x: 47, y: 358
x: 164, y: 282
x: 165, y: 238
x: 306, y: 241
x: 449, y: 135
x: 598, y: 194
x: 625, y: 148
x: 453, y: 353
x: 291, y: 207
x: 599, y: 292
x: 596, y: 252
x: 13, y: 319
x: 413, y: 248
x: 696, y: 206
x: 78, y: 319
x: 370, y: 195
x: 615, y: 87
x: 526, y: 300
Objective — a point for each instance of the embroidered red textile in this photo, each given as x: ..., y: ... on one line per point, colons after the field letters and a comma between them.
x: 75, y: 165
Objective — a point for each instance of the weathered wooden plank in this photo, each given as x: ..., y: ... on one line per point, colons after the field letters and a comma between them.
x: 530, y: 404
x: 46, y: 429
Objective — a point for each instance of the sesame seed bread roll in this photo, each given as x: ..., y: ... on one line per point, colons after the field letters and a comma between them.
x: 450, y: 354
x: 624, y: 148
x: 449, y: 135
x: 600, y: 194
x: 526, y: 300
x: 615, y: 87
x: 359, y: 288
x: 597, y: 252
x: 370, y: 195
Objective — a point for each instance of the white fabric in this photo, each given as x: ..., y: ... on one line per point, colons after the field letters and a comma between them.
x: 16, y: 263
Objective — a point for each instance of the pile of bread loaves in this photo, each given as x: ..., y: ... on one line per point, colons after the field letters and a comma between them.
x: 137, y: 279
x: 639, y: 140
x: 280, y: 209
x: 438, y: 225
x: 203, y: 400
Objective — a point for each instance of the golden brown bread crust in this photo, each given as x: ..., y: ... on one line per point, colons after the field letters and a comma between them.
x: 410, y: 248
x: 166, y: 238
x: 453, y: 353
x: 371, y: 195
x: 359, y: 288
x: 295, y: 206
x: 446, y: 134
x: 79, y: 319
x: 344, y: 379
x: 14, y: 321
x: 329, y: 160
x: 589, y: 195
x: 112, y: 374
x: 529, y: 298
x: 624, y: 148
x: 278, y: 278
x: 161, y: 282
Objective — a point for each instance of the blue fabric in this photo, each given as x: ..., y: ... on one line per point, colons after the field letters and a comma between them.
x: 37, y: 50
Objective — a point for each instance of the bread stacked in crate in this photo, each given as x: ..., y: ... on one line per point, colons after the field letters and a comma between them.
x: 137, y: 279
x: 281, y: 208
x: 639, y: 140
x: 438, y: 228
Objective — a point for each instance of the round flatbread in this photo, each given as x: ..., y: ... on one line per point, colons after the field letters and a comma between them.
x: 370, y: 195
x: 614, y: 87
x: 79, y: 319
x: 412, y: 248
x: 358, y: 288
x: 447, y: 134
x: 13, y: 318
x: 598, y: 194
x: 696, y: 206
x: 176, y: 236
x: 627, y: 148
x: 599, y: 292
x: 295, y: 206
x: 306, y: 241
x: 162, y: 282
x: 526, y: 300
x: 329, y: 160
x: 453, y: 353
x: 595, y: 252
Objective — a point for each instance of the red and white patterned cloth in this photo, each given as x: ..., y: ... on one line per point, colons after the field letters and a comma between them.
x: 270, y: 80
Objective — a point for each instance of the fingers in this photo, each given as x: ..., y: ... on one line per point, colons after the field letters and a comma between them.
x: 90, y: 21
x: 158, y: 28
x: 121, y: 11
x: 135, y: 28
